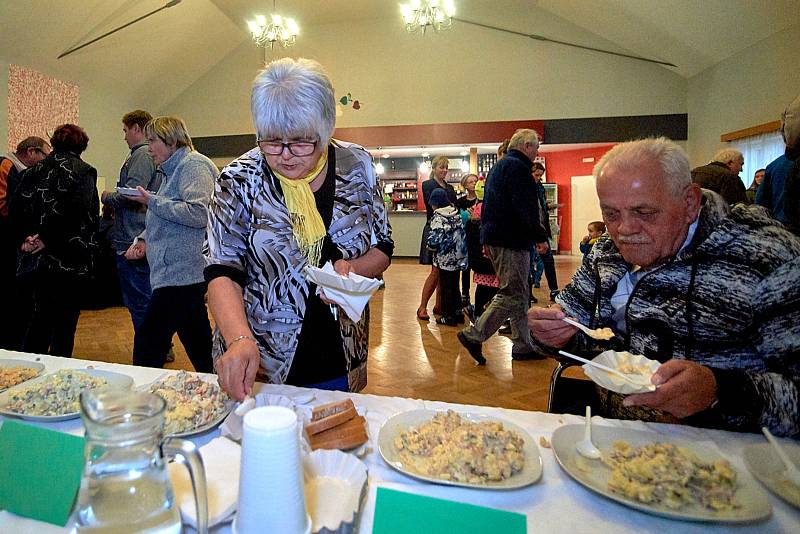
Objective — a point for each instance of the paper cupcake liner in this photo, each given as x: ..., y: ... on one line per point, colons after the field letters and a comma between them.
x: 615, y: 360
x: 335, y: 485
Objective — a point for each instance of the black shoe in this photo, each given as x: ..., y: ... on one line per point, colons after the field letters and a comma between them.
x: 553, y: 295
x: 527, y: 356
x: 449, y: 321
x: 474, y: 349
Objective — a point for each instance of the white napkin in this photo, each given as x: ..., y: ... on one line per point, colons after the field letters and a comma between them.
x: 221, y: 459
x: 232, y: 427
x: 351, y: 292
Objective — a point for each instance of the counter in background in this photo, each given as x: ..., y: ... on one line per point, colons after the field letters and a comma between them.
x: 406, y: 232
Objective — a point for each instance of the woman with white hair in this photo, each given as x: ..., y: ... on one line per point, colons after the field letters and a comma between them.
x: 299, y: 198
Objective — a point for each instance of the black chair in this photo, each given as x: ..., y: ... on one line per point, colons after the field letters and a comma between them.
x: 569, y: 395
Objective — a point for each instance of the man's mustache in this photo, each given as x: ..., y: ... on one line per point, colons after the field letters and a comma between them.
x: 631, y: 240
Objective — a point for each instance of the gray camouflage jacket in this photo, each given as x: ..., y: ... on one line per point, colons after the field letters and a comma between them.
x: 730, y: 301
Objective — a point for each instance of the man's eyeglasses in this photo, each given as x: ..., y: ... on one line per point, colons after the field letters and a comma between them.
x: 296, y: 148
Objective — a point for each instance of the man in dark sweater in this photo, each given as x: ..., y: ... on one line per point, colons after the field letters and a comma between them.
x: 509, y: 226
x: 681, y: 277
x: 722, y: 176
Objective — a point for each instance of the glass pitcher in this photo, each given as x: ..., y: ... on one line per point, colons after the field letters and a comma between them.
x: 125, y: 485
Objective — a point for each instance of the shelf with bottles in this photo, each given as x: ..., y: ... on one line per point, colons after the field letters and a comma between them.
x: 398, y: 196
x: 485, y: 163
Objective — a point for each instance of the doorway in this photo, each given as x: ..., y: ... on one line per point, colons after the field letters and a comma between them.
x: 585, y: 208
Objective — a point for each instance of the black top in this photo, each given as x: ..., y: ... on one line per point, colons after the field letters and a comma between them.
x: 510, y: 213
x: 320, y: 355
x: 464, y: 203
x: 56, y: 199
x: 428, y: 187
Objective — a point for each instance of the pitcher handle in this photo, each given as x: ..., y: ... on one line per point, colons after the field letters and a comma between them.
x: 186, y: 453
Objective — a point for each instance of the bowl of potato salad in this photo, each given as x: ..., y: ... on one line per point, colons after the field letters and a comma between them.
x: 56, y: 396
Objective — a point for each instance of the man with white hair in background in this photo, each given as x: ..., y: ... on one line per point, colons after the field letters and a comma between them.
x: 722, y: 176
x: 509, y: 228
x: 709, y: 290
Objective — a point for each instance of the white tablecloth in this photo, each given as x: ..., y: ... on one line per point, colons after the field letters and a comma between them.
x: 554, y: 504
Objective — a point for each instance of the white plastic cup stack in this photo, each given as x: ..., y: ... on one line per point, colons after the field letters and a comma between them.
x: 271, y: 493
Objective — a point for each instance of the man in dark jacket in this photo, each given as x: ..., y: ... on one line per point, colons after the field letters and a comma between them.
x: 509, y: 227
x: 771, y: 191
x: 722, y: 176
x: 707, y: 289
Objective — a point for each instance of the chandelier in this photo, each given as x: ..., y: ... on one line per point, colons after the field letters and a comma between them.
x: 278, y: 30
x: 419, y: 14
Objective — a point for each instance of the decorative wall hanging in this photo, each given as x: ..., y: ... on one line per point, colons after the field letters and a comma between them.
x: 37, y: 104
x: 348, y: 100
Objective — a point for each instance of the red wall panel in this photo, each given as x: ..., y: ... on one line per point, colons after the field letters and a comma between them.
x: 561, y: 167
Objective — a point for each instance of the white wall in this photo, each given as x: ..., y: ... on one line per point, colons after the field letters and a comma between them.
x: 402, y: 79
x: 749, y: 88
x: 99, y: 114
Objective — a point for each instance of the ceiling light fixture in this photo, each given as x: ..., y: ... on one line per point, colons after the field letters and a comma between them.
x: 419, y: 14
x: 278, y: 30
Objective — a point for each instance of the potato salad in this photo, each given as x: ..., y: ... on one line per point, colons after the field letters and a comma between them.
x: 663, y: 473
x: 191, y: 402
x: 452, y: 448
x: 56, y: 394
x: 11, y: 376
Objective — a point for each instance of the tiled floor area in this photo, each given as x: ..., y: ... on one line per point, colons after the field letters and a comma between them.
x: 407, y: 357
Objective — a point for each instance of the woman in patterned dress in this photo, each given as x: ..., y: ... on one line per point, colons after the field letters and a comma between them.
x: 300, y: 198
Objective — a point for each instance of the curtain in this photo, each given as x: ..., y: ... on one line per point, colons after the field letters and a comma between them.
x: 758, y: 151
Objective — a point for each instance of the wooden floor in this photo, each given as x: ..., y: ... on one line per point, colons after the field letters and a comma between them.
x: 407, y: 357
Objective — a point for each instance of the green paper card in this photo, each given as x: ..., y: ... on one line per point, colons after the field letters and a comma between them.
x: 397, y: 512
x: 40, y: 471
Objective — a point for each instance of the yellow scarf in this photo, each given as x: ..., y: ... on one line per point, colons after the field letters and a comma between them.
x: 307, y: 226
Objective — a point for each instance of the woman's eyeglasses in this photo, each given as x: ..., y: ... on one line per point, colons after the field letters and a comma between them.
x: 296, y: 148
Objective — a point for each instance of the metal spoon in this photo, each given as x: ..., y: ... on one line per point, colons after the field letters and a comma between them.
x: 632, y: 380
x: 792, y: 473
x: 585, y: 447
x: 598, y: 333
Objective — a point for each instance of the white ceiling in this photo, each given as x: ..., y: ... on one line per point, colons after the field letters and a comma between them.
x: 155, y: 60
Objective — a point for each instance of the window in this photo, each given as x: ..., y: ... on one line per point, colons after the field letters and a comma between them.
x: 758, y: 151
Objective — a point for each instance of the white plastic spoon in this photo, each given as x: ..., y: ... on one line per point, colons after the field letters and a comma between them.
x: 792, y: 472
x: 585, y: 447
x: 597, y: 333
x: 611, y: 370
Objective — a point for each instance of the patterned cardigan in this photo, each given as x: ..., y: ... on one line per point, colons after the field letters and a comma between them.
x: 57, y: 199
x: 249, y: 230
x: 730, y: 301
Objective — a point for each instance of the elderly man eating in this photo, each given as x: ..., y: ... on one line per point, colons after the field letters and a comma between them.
x: 711, y: 291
